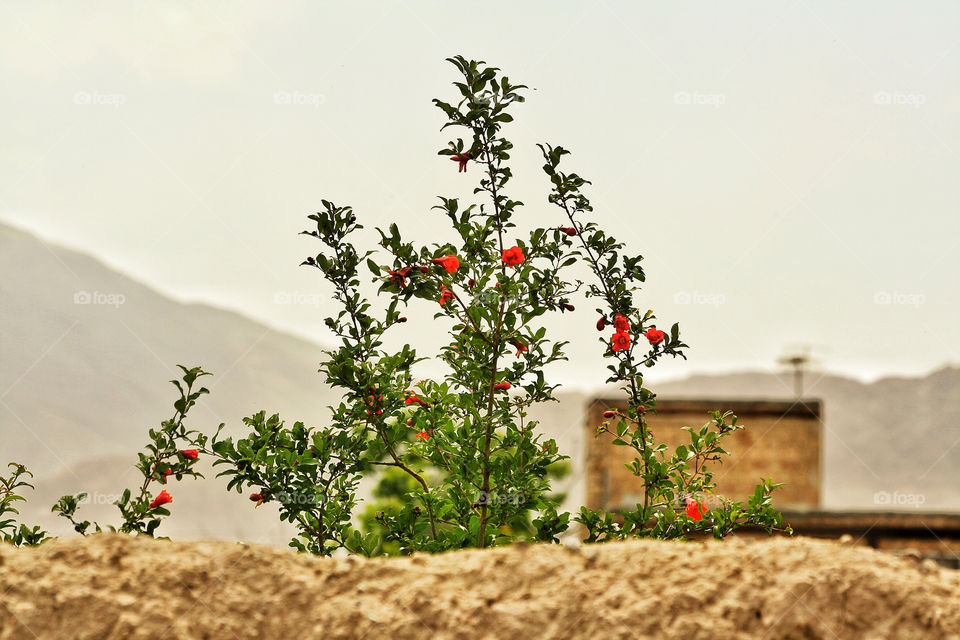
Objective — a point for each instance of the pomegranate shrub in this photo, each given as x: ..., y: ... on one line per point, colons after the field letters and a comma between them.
x: 478, y: 469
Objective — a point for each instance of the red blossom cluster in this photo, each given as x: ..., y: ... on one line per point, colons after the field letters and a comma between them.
x: 620, y: 341
x: 374, y: 402
x: 621, y: 337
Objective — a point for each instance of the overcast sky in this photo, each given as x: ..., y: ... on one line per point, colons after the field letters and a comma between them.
x: 789, y: 170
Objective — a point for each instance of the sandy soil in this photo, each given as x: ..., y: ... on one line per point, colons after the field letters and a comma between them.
x: 117, y: 587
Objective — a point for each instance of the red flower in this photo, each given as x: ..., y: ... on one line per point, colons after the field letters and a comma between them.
x: 450, y: 263
x: 654, y: 335
x: 695, y: 509
x: 513, y: 256
x: 423, y: 434
x: 520, y: 346
x: 620, y: 341
x: 415, y: 400
x: 163, y: 498
x: 445, y: 294
x: 462, y: 158
x: 502, y: 386
x: 256, y: 497
x: 399, y: 277
x: 192, y: 454
x: 620, y: 323
x: 570, y: 231
x: 601, y: 323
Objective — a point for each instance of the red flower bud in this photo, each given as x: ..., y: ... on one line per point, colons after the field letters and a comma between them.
x: 462, y: 157
x: 423, y: 434
x: 567, y: 306
x: 402, y: 319
x: 416, y: 400
x: 192, y: 454
x: 424, y: 269
x: 161, y: 499
x: 609, y: 414
x: 256, y: 497
x: 445, y: 294
x: 502, y: 386
x: 601, y: 323
x: 471, y: 283
x: 570, y: 231
x: 519, y: 345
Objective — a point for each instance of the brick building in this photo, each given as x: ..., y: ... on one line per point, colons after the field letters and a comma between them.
x: 782, y: 441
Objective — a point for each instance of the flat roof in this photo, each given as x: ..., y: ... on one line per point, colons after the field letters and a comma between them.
x: 800, y: 408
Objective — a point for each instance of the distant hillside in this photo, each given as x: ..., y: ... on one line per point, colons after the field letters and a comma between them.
x: 86, y: 379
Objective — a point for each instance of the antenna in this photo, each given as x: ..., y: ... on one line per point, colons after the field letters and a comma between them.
x: 798, y: 360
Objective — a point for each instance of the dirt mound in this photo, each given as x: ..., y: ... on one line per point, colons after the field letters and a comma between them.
x: 117, y: 587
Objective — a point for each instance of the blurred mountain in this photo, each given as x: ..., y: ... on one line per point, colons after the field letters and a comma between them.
x: 85, y: 358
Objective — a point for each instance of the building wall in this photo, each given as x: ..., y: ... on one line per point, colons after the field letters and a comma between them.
x: 782, y: 441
